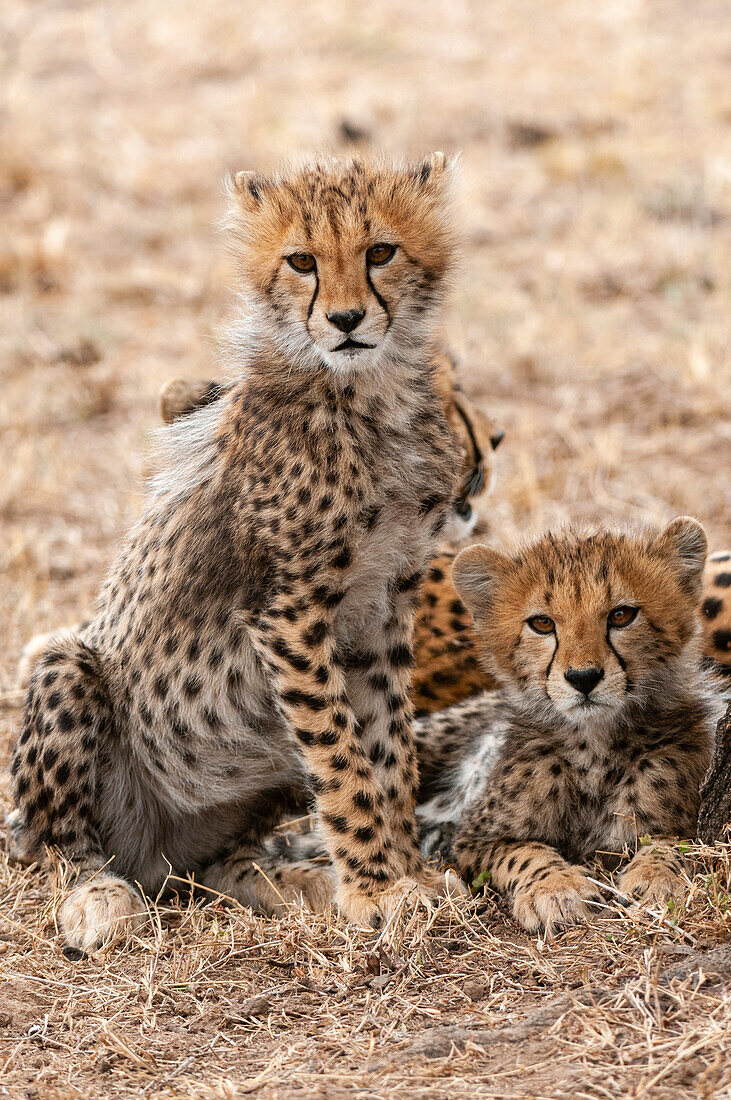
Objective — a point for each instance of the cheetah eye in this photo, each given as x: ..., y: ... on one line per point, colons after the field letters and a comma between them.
x: 541, y: 624
x: 621, y: 616
x: 302, y: 262
x: 379, y: 254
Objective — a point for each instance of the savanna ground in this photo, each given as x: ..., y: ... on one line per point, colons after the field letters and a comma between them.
x: 592, y: 320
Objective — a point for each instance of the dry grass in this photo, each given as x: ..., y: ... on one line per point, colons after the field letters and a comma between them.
x: 592, y: 318
x: 212, y: 1001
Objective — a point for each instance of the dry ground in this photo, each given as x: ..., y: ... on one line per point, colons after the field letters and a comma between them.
x: 592, y: 316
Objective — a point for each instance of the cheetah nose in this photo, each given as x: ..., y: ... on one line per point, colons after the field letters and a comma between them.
x: 346, y: 320
x: 584, y: 679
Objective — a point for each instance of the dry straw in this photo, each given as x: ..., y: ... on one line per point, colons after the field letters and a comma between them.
x: 208, y: 999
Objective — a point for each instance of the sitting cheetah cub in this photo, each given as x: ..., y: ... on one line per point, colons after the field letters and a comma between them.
x: 602, y: 731
x: 253, y: 639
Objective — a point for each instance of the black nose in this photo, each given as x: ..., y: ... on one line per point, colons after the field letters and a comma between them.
x: 584, y: 679
x: 347, y: 319
x: 496, y: 440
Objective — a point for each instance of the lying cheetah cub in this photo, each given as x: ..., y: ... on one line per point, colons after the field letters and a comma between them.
x: 602, y: 731
x: 253, y: 639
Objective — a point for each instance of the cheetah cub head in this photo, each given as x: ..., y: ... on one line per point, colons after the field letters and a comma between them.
x: 582, y: 627
x: 345, y: 262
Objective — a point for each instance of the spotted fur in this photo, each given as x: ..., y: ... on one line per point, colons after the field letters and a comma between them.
x: 253, y: 640
x: 446, y: 666
x: 476, y: 435
x: 600, y: 734
x: 716, y: 612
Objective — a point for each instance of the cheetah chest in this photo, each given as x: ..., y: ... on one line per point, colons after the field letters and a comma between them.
x: 398, y: 545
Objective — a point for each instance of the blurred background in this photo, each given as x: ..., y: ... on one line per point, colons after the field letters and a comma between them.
x: 591, y: 314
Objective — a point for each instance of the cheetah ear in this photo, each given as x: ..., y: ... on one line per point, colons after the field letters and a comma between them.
x: 249, y: 188
x: 684, y: 542
x: 477, y: 572
x: 433, y: 168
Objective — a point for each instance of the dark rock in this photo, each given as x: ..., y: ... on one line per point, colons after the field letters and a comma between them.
x: 715, y: 811
x: 353, y: 132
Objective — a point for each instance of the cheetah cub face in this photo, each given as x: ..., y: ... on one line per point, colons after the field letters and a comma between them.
x: 582, y: 627
x: 344, y: 264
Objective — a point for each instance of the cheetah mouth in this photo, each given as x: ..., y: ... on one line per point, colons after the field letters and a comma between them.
x: 586, y: 704
x: 353, y: 345
x: 595, y: 710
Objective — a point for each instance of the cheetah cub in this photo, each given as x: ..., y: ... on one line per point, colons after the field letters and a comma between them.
x: 601, y: 733
x: 253, y: 640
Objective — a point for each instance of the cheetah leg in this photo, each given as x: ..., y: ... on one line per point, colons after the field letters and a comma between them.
x: 402, y: 784
x: 547, y: 891
x: 653, y: 874
x: 53, y: 780
x: 298, y: 648
x: 378, y: 683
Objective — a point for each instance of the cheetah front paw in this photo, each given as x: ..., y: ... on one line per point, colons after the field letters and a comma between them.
x: 99, y: 910
x: 371, y: 909
x: 651, y: 883
x: 556, y: 901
